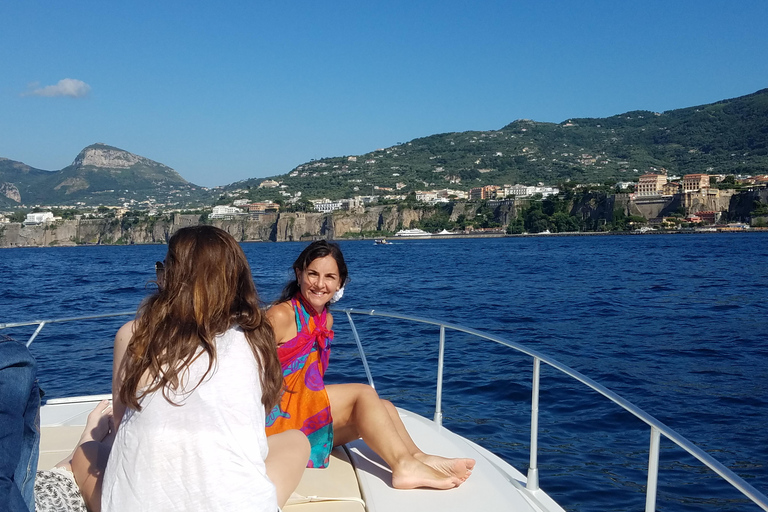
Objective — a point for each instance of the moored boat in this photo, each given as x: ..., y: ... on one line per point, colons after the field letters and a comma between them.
x: 412, y: 233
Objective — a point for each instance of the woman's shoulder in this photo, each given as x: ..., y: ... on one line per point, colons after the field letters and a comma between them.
x: 125, y: 333
x: 126, y: 328
x: 281, y: 312
x: 283, y: 321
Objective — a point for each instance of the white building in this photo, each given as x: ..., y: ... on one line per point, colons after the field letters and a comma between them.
x: 225, y: 212
x: 38, y: 218
x: 527, y: 191
x: 426, y: 197
x: 326, y: 205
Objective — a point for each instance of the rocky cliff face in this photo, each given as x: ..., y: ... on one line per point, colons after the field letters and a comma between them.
x: 108, y: 157
x: 10, y: 191
x: 306, y: 226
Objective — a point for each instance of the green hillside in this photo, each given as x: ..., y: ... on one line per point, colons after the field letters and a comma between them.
x: 727, y: 137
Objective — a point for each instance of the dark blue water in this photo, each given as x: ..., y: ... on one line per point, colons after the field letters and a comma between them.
x: 676, y: 324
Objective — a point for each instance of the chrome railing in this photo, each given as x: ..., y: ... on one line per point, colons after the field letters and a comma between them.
x: 657, y: 427
x: 42, y: 323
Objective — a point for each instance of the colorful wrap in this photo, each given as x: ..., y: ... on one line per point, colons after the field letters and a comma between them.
x: 304, y: 404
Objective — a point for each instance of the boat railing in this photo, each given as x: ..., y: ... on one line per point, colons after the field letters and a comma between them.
x: 657, y: 428
x: 42, y: 323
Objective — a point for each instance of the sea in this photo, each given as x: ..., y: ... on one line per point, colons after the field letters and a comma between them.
x: 676, y: 324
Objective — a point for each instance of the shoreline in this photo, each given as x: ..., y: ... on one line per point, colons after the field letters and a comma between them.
x: 725, y: 231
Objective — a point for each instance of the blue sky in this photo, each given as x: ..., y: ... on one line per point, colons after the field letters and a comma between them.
x: 230, y: 90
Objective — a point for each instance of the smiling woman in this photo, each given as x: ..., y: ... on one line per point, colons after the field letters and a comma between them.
x: 337, y: 414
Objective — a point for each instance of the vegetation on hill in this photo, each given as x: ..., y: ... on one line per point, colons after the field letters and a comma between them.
x: 727, y: 137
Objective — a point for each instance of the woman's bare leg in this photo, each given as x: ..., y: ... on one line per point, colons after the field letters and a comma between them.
x: 288, y: 456
x: 461, y: 468
x: 359, y: 412
x: 89, y: 459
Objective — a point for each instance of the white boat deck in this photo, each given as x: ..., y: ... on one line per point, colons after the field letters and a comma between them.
x: 355, y: 473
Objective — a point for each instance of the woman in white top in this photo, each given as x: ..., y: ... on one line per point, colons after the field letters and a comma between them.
x: 193, y: 376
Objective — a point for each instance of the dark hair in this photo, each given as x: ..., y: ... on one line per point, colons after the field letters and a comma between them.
x: 317, y: 249
x: 207, y: 287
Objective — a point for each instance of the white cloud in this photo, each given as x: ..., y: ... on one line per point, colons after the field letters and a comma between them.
x: 66, y: 87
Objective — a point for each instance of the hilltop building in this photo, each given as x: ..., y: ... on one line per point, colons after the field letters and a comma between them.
x: 326, y: 205
x: 225, y: 212
x: 527, y: 191
x: 695, y: 182
x: 34, y: 219
x: 256, y: 209
x: 486, y: 192
x: 651, y: 185
x: 269, y: 184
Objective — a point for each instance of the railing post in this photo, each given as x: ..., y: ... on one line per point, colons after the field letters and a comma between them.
x: 360, y: 350
x: 533, y: 468
x: 653, y: 471
x: 34, y: 334
x: 439, y: 395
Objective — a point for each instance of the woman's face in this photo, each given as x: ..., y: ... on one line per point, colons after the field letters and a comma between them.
x: 319, y: 281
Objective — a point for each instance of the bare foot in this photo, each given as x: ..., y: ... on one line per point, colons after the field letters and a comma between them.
x: 413, y: 474
x: 459, y: 468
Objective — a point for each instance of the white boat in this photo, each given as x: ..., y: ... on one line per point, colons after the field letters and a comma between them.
x: 358, y: 481
x: 412, y: 232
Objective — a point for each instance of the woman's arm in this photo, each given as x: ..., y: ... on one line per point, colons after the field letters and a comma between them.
x: 328, y: 320
x: 122, y: 338
x: 283, y: 322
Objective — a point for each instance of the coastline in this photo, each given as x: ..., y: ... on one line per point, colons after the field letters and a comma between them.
x: 452, y: 236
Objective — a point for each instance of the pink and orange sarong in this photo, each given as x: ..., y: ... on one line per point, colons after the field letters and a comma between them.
x: 304, y: 405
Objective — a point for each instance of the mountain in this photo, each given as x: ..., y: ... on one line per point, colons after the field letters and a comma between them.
x: 100, y: 174
x: 727, y: 137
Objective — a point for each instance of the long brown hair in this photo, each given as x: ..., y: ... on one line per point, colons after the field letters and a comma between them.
x: 206, y: 288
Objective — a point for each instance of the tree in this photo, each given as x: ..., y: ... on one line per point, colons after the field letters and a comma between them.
x: 759, y: 208
x: 302, y: 205
x: 516, y: 227
x: 19, y: 216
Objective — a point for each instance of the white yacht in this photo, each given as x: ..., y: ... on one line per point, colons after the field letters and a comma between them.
x: 412, y: 232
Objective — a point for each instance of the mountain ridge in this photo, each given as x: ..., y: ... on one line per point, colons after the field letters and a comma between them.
x: 99, y: 173
x: 726, y: 137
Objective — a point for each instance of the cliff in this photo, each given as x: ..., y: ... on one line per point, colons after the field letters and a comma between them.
x: 307, y: 226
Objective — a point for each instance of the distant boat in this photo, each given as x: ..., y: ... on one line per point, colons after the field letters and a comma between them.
x: 412, y: 232
x: 382, y: 241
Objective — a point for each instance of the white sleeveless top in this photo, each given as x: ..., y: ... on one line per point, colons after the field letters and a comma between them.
x: 207, y: 454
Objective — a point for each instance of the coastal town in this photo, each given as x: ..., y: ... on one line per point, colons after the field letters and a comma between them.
x: 656, y: 202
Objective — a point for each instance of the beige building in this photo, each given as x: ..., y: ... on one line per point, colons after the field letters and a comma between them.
x: 695, y: 182
x: 651, y: 185
x: 486, y: 192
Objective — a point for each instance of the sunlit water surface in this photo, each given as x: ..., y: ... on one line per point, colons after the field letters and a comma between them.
x: 676, y: 324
